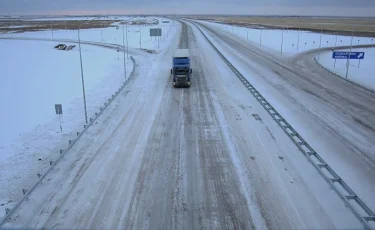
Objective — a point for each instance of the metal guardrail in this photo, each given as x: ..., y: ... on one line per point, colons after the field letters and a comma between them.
x: 71, y: 144
x: 362, y: 212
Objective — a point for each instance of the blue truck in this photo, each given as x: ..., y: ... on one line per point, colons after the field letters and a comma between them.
x: 181, y: 70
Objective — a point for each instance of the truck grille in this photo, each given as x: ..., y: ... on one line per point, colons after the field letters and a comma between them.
x: 181, y: 79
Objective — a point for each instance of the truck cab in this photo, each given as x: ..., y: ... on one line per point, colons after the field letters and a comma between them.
x: 181, y: 70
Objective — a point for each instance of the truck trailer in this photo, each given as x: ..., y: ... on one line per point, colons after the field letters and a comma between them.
x: 181, y: 70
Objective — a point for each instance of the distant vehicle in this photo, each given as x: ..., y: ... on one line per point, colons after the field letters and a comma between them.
x: 181, y: 70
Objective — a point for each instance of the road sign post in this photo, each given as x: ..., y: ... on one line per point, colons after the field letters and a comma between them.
x: 156, y: 32
x: 348, y: 60
x: 320, y: 43
x: 348, y: 56
x: 58, y: 109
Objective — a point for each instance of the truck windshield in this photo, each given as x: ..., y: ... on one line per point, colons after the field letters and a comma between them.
x: 181, y: 71
x: 180, y: 61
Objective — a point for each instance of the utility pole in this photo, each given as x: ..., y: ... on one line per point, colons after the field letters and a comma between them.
x: 350, y: 52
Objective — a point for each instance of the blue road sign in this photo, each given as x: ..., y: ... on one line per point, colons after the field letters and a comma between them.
x: 348, y: 55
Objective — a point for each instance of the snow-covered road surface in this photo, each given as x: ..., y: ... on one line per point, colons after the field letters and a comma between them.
x: 205, y: 157
x: 334, y: 116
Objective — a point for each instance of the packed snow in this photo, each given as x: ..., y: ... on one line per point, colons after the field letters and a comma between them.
x: 361, y: 72
x: 289, y: 42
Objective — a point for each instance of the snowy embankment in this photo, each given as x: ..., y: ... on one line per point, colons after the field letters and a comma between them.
x: 35, y: 76
x: 288, y: 42
x: 361, y: 72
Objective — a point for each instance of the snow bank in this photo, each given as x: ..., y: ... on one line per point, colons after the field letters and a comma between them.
x: 360, y: 72
x: 288, y: 42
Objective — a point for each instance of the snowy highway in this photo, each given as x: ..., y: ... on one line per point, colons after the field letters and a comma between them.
x: 210, y: 156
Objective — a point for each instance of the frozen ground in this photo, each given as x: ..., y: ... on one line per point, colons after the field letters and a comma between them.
x: 288, y: 42
x: 360, y: 72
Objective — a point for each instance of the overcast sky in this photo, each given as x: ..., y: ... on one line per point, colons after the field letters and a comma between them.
x: 248, y: 7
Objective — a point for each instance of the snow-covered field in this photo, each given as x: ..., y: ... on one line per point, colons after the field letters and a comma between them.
x: 35, y: 76
x: 72, y: 18
x: 136, y: 36
x: 289, y: 42
x: 360, y: 72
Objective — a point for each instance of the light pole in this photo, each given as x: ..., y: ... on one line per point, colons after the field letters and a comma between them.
x: 101, y: 32
x: 336, y: 37
x: 80, y: 59
x: 350, y: 53
x: 123, y: 43
x: 282, y: 40
x: 127, y: 46
x: 299, y: 31
x: 320, y: 43
x: 140, y: 37
x: 52, y: 29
